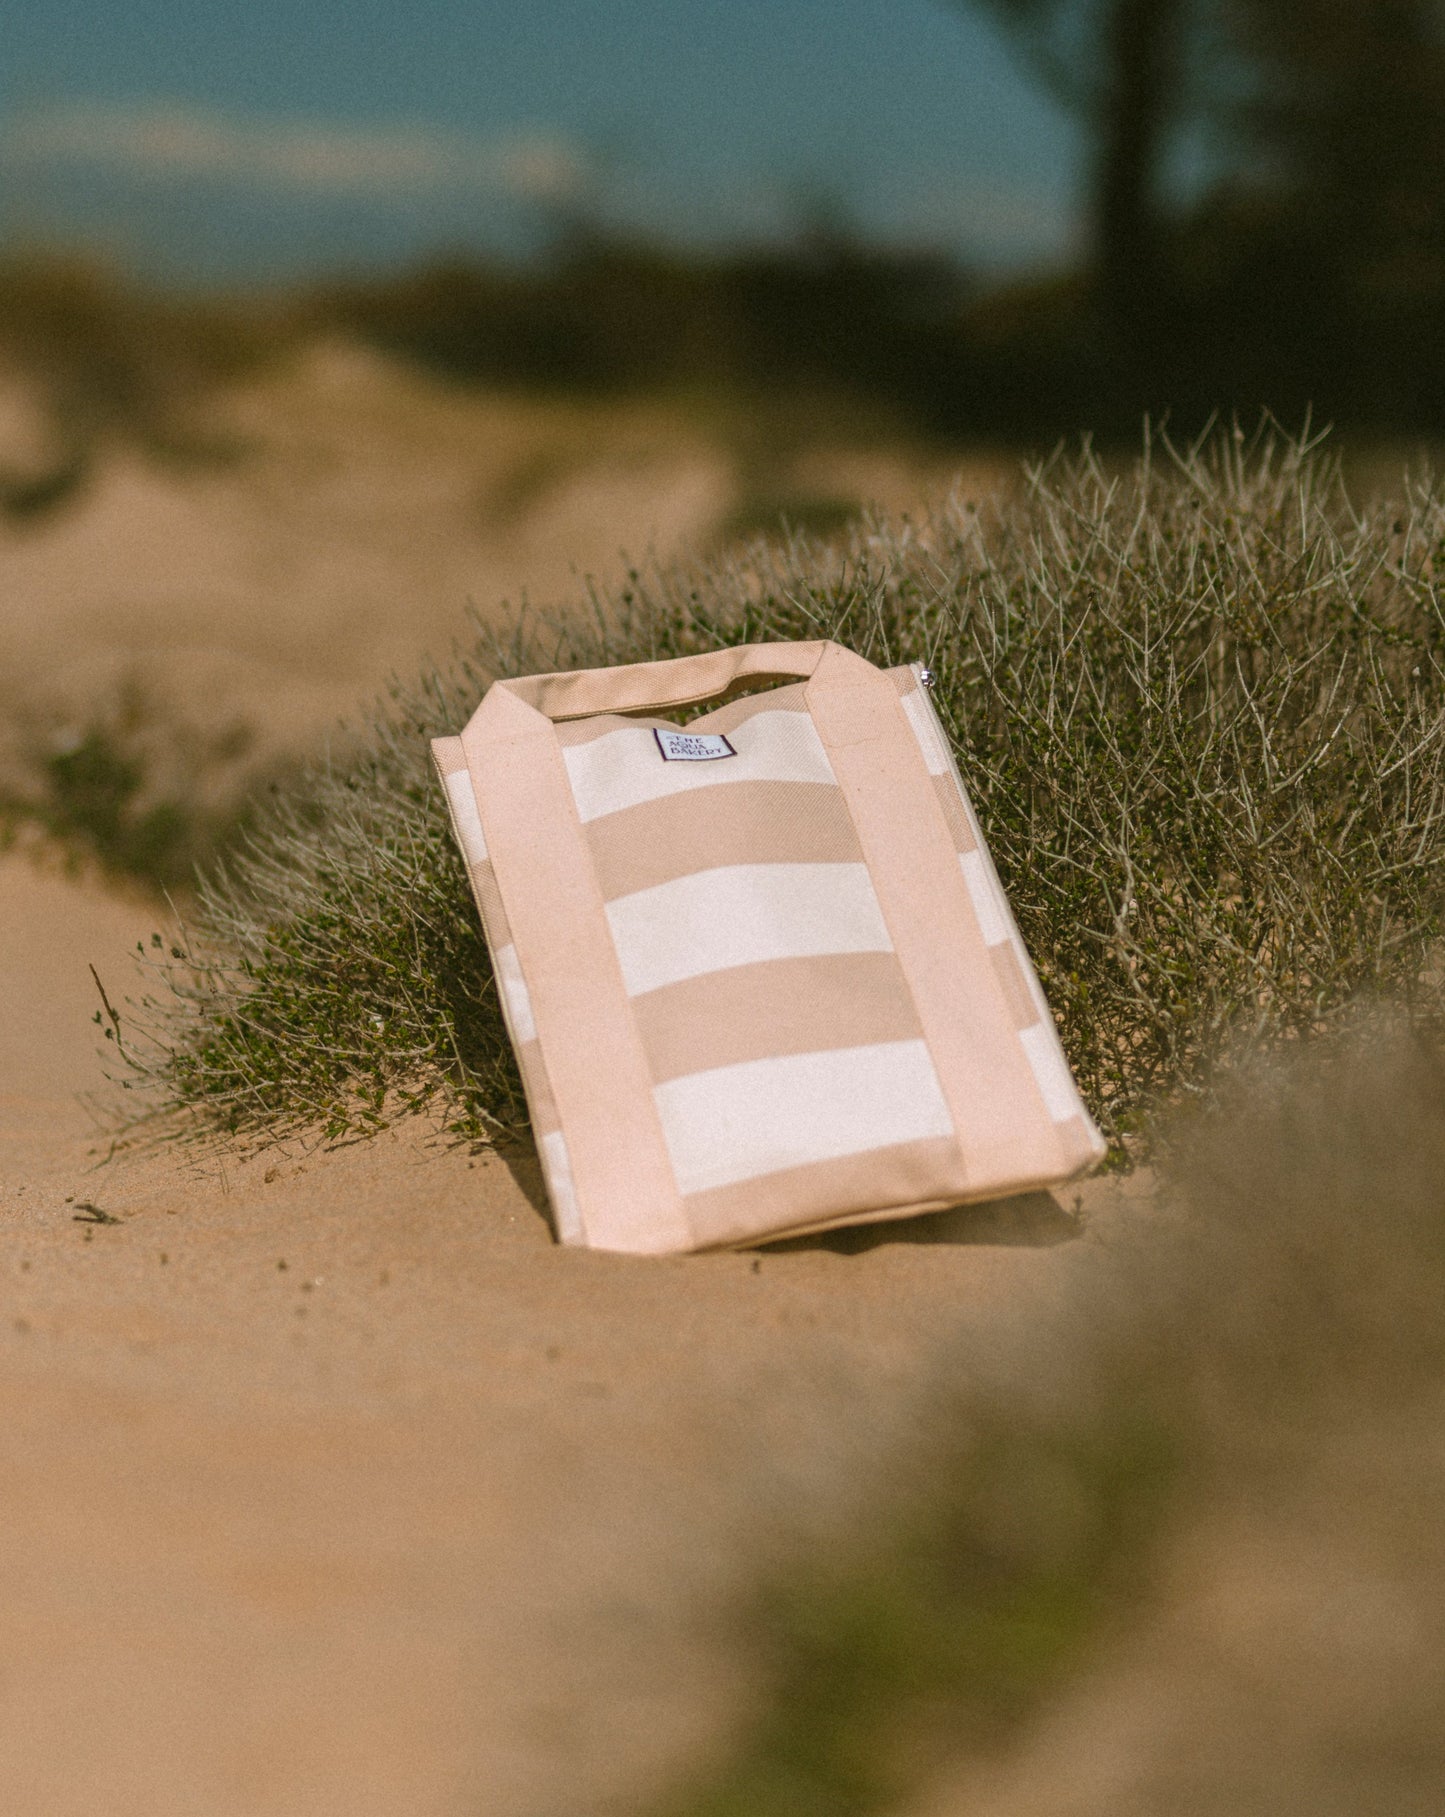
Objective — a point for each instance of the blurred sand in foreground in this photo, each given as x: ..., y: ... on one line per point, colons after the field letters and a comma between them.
x: 331, y: 1486
x: 334, y: 1489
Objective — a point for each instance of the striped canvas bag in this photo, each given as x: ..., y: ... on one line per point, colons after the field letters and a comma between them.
x: 759, y: 972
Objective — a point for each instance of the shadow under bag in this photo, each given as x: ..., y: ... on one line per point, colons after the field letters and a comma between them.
x: 759, y: 971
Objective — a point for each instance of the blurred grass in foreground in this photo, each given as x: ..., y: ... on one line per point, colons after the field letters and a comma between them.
x: 1183, y: 1552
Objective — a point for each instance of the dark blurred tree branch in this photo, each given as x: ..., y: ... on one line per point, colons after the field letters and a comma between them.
x: 1311, y: 268
x: 1336, y: 123
x: 1139, y: 97
x: 1344, y: 109
x: 1119, y: 67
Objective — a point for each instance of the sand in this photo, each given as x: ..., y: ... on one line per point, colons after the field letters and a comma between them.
x: 333, y: 1486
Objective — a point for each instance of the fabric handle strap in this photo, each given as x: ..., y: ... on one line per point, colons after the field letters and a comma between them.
x: 598, y: 1073
x: 998, y: 1112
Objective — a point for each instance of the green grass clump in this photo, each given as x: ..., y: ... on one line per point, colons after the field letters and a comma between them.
x: 128, y: 786
x: 1200, y: 705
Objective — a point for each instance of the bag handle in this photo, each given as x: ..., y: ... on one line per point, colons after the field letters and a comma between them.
x: 678, y: 682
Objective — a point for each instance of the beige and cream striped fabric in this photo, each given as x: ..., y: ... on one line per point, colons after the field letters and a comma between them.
x: 768, y: 988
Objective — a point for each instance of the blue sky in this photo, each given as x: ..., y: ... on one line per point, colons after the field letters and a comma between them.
x: 192, y: 140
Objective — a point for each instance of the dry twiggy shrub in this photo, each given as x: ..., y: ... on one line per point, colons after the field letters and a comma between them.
x: 1200, y: 705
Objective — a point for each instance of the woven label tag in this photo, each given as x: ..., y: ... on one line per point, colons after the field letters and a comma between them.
x: 692, y: 747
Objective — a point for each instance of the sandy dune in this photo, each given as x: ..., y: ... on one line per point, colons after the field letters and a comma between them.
x: 434, y: 1518
x: 330, y: 1485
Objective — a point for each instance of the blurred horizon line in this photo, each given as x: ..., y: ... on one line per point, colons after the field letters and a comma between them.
x: 166, y: 188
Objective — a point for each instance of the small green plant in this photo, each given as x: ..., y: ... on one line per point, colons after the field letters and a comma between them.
x: 1200, y: 705
x: 130, y: 788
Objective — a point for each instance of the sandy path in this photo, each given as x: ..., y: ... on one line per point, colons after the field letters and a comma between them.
x: 434, y: 1518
